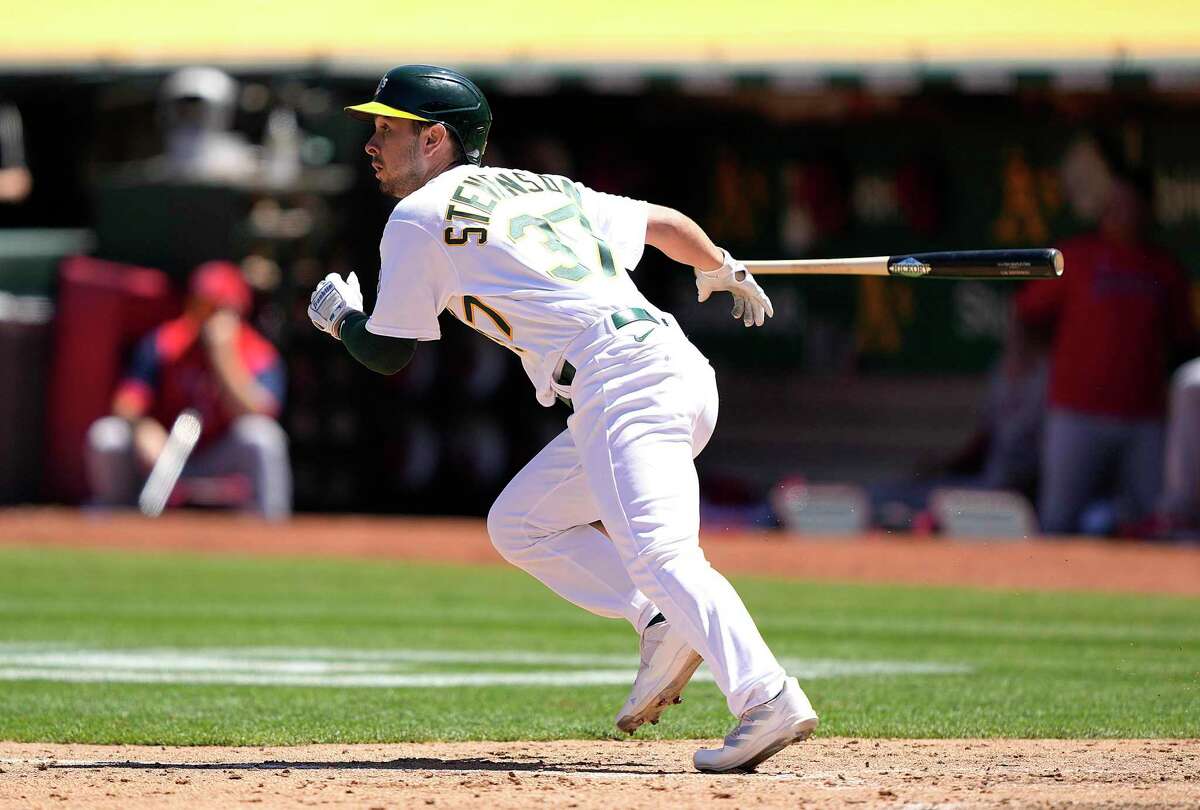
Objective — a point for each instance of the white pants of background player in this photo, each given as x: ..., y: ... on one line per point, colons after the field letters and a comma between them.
x: 1081, y: 450
x: 1181, y: 485
x: 642, y: 412
x: 255, y: 446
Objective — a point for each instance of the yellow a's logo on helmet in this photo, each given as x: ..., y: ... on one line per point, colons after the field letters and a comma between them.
x: 382, y: 82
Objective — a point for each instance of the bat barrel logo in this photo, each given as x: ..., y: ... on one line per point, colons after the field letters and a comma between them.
x: 909, y: 267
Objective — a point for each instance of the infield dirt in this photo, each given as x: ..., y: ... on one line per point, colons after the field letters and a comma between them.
x: 579, y: 774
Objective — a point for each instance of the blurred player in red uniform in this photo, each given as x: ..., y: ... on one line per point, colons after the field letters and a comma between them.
x: 1120, y: 315
x: 208, y: 359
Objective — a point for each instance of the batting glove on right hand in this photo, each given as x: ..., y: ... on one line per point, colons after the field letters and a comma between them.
x: 750, y: 304
x: 332, y: 300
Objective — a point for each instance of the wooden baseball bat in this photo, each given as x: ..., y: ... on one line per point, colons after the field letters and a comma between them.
x: 181, y: 441
x: 976, y: 264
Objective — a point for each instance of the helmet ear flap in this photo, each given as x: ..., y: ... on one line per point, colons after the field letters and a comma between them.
x: 480, y: 136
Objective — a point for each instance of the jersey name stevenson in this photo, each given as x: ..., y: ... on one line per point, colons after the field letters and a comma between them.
x: 529, y: 260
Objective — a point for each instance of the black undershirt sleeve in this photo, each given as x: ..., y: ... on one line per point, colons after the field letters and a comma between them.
x: 383, y: 355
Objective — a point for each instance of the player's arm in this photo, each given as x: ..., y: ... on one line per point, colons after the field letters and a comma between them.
x: 134, y: 397
x: 677, y: 235
x: 135, y: 392
x: 680, y: 238
x: 336, y: 307
x: 383, y: 355
x: 1039, y: 305
x: 241, y: 390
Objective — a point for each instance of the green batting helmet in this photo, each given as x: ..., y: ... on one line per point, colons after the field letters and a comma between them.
x: 433, y: 94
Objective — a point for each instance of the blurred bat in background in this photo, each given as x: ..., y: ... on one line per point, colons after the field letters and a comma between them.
x: 167, y: 468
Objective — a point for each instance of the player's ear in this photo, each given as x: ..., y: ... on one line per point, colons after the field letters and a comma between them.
x: 435, y: 136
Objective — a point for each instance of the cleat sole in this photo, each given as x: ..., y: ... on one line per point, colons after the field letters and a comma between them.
x: 663, y: 700
x: 802, y: 733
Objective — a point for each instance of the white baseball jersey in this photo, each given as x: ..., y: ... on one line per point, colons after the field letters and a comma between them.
x: 528, y: 260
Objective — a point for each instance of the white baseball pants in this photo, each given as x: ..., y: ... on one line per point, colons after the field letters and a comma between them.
x: 643, y: 411
x: 255, y: 445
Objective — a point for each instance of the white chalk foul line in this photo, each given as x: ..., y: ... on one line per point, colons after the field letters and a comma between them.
x: 68, y: 655
x: 429, y: 680
x: 328, y: 667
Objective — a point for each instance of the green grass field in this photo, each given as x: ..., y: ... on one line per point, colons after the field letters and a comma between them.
x: 180, y: 649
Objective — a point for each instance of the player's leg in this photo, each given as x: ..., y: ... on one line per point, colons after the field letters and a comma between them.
x: 1141, y: 471
x: 263, y: 446
x: 257, y: 447
x: 541, y: 524
x: 1181, y: 484
x: 112, y: 463
x: 640, y: 419
x: 638, y: 422
x: 1076, y: 450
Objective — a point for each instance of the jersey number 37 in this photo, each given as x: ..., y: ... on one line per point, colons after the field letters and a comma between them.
x: 557, y: 248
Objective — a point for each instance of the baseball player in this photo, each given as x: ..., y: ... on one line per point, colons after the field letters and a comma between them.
x: 607, y: 514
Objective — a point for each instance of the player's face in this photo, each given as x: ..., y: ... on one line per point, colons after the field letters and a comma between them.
x: 395, y: 150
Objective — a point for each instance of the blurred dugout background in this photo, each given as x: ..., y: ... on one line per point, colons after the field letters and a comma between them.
x: 854, y: 380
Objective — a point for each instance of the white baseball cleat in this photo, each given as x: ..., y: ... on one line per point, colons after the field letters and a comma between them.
x: 667, y: 665
x: 762, y: 732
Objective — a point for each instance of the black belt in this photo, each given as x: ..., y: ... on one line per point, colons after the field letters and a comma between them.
x: 621, y: 318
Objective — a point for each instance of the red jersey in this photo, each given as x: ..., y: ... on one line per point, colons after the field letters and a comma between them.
x: 1118, y: 310
x: 170, y: 371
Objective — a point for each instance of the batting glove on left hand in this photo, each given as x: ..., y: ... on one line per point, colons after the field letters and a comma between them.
x: 332, y: 300
x: 750, y: 303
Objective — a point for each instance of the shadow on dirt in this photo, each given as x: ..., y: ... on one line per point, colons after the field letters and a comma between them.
x: 471, y: 764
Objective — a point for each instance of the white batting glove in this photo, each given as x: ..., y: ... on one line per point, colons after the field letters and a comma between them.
x: 750, y: 304
x: 332, y: 300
